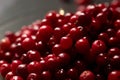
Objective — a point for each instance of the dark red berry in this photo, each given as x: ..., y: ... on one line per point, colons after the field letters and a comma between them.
x: 28, y: 43
x: 34, y: 67
x: 66, y: 42
x: 4, y: 69
x: 118, y: 34
x: 83, y: 46
x: 113, y: 51
x: 9, y: 75
x: 60, y: 74
x: 33, y: 55
x: 14, y: 65
x: 114, y: 75
x: 87, y: 75
x: 64, y: 58
x: 5, y: 43
x: 46, y: 75
x: 57, y: 49
x: 117, y: 24
x: 22, y: 68
x: 72, y: 73
x: 44, y: 33
x: 33, y: 76
x: 98, y: 46
x: 101, y: 59
x: 16, y: 78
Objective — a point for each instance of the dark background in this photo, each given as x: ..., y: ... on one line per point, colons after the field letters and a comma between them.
x: 16, y: 13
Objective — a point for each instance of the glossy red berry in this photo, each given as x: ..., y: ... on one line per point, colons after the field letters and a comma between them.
x: 44, y: 33
x: 24, y: 58
x: 110, y: 32
x: 76, y: 32
x: 51, y: 63
x: 113, y: 51
x: 83, y: 19
x: 46, y: 75
x: 117, y: 24
x: 82, y: 46
x: 113, y: 41
x: 103, y: 36
x: 114, y: 75
x: 4, y: 69
x: 98, y: 46
x: 118, y: 34
x: 115, y: 61
x: 66, y: 42
x: 2, y: 62
x: 33, y: 76
x: 74, y: 19
x: 60, y: 74
x: 8, y: 56
x: 101, y: 59
x: 34, y: 67
x: 22, y: 68
x: 33, y: 55
x: 51, y: 16
x: 72, y: 73
x: 63, y: 58
x: 57, y: 49
x: 14, y: 65
x: 87, y: 75
x: 9, y: 75
x: 16, y: 78
x: 5, y: 43
x: 28, y: 43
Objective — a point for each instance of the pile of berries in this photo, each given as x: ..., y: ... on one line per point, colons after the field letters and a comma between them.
x: 84, y: 45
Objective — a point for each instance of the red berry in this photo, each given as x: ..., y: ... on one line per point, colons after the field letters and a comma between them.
x: 113, y: 51
x: 87, y: 75
x: 114, y: 75
x: 34, y: 67
x: 60, y: 74
x: 28, y: 43
x: 14, y: 65
x: 101, y: 59
x: 44, y: 33
x: 4, y: 69
x: 9, y: 75
x: 16, y: 78
x: 22, y: 68
x: 83, y: 46
x: 5, y: 43
x: 66, y: 42
x: 46, y: 75
x: 64, y: 58
x: 117, y: 24
x: 2, y: 62
x: 72, y: 73
x: 103, y: 36
x: 33, y: 76
x: 33, y: 55
x: 118, y: 34
x: 57, y: 49
x: 98, y: 46
x: 51, y: 63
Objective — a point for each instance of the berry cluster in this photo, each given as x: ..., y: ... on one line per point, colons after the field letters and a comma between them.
x: 84, y: 45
